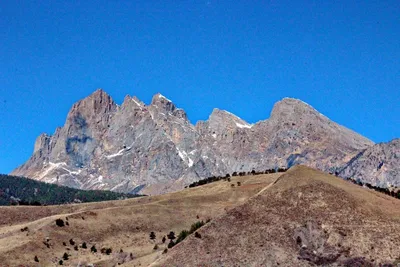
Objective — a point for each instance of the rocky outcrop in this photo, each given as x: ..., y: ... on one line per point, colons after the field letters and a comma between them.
x: 378, y: 165
x: 154, y: 148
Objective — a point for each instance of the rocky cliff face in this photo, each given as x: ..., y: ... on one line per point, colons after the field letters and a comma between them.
x: 154, y: 148
x: 378, y: 165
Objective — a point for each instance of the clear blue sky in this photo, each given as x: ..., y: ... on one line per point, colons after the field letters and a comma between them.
x: 342, y: 58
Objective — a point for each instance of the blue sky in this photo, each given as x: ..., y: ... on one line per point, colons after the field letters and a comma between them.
x: 342, y: 58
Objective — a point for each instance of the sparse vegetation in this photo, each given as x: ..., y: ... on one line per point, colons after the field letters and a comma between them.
x: 71, y: 242
x: 60, y: 223
x: 152, y: 236
x: 93, y: 249
x: 65, y: 256
x: 228, y: 179
x: 36, y: 259
x: 185, y: 233
x: 163, y: 239
x: 84, y: 245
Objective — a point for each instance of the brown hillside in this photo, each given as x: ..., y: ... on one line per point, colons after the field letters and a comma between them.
x: 306, y: 217
x: 120, y: 225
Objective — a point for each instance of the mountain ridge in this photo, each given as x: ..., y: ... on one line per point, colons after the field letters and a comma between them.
x: 103, y: 145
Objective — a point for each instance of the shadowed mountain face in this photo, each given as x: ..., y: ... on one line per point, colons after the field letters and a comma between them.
x: 154, y: 148
x: 378, y: 165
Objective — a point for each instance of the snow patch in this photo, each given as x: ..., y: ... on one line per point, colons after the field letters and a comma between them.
x: 184, y: 156
x: 119, y: 153
x: 243, y: 125
x: 137, y: 103
x: 214, y: 135
x: 161, y: 96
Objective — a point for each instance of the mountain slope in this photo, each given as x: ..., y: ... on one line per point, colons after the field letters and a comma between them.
x: 378, y: 165
x: 306, y: 217
x: 121, y: 225
x: 154, y: 148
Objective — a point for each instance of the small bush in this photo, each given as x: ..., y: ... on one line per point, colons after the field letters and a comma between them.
x: 93, y: 249
x: 108, y: 251
x: 232, y: 185
x: 152, y: 236
x: 155, y: 247
x: 163, y: 239
x: 65, y: 256
x: 239, y: 183
x: 84, y: 245
x: 64, y: 244
x: 171, y: 235
x: 60, y: 262
x: 197, y: 235
x: 71, y: 242
x: 165, y: 251
x: 76, y: 247
x: 60, y: 223
x: 171, y: 244
x: 36, y: 259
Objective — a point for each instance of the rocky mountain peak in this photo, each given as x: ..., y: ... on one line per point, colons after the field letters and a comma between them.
x: 132, y: 102
x: 222, y: 119
x: 293, y: 108
x: 162, y: 103
x: 155, y: 147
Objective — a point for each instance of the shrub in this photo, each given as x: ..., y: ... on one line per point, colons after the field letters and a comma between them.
x: 163, y: 239
x: 36, y: 259
x: 171, y: 244
x: 84, y: 245
x: 152, y: 236
x: 60, y: 262
x: 239, y: 183
x: 60, y: 223
x: 171, y: 235
x: 182, y: 235
x: 196, y: 226
x: 64, y: 244
x: 155, y: 247
x: 165, y: 251
x: 197, y: 235
x: 76, y: 247
x: 65, y: 256
x: 108, y: 251
x: 232, y: 185
x: 71, y: 242
x: 93, y: 249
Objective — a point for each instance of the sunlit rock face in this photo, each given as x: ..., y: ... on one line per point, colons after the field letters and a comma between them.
x: 154, y: 148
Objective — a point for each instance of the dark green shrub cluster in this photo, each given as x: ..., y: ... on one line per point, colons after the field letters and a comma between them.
x: 185, y: 233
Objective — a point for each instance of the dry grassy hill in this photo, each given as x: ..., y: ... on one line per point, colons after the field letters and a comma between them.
x: 306, y: 217
x: 300, y: 218
x: 121, y: 225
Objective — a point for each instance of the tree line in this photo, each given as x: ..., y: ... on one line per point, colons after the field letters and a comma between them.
x: 228, y: 176
x: 16, y: 190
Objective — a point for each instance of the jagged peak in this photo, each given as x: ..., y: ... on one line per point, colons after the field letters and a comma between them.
x: 162, y: 102
x: 128, y: 100
x: 290, y: 106
x: 218, y: 114
x: 159, y: 97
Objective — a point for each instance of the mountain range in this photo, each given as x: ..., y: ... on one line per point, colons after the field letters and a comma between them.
x: 153, y: 149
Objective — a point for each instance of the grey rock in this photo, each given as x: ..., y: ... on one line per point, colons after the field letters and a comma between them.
x: 155, y: 149
x: 378, y: 165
